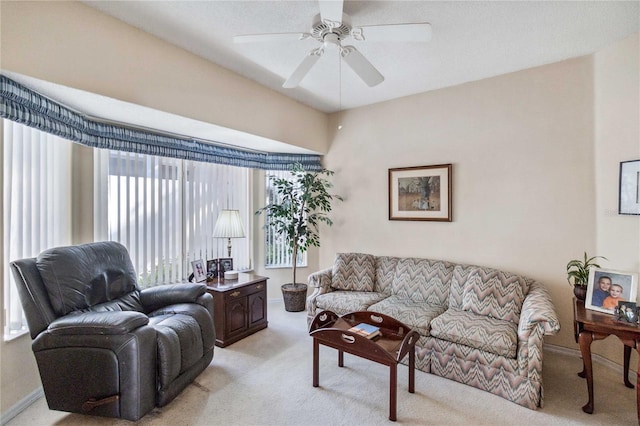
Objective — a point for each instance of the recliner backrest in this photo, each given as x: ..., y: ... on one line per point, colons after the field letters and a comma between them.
x: 82, y: 276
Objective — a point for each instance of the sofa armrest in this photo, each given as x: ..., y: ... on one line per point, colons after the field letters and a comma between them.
x: 538, y: 311
x: 101, y: 323
x: 321, y: 283
x: 154, y: 298
x: 321, y: 280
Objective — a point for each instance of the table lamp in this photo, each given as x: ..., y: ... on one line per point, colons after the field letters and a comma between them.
x: 228, y: 226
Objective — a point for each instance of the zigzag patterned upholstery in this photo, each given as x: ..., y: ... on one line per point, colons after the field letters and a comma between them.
x: 353, y: 271
x: 479, y: 326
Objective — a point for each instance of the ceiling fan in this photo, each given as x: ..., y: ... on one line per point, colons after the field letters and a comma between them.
x: 330, y: 28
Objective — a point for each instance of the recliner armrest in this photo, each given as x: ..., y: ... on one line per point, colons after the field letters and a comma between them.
x: 98, y: 323
x: 153, y: 298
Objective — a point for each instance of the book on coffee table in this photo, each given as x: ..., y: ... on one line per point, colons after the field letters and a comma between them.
x: 367, y: 330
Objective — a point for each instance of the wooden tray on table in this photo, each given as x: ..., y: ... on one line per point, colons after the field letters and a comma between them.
x: 395, y: 341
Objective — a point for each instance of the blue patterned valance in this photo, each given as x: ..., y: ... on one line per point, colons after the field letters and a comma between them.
x: 23, y: 105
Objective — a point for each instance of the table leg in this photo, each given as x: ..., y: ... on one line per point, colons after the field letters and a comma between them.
x: 638, y: 388
x: 585, y: 340
x: 316, y: 355
x: 393, y: 391
x: 625, y: 370
x: 412, y: 370
x: 340, y: 359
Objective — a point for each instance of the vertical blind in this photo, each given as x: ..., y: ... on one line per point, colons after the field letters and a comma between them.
x: 37, y: 204
x: 164, y: 211
x: 277, y: 252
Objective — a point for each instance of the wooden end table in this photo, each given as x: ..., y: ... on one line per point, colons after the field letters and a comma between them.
x: 239, y: 307
x: 395, y: 342
x: 590, y: 325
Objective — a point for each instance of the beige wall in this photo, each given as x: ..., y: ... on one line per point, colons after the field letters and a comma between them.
x: 524, y: 148
x: 524, y: 173
x: 74, y: 45
x: 617, y: 138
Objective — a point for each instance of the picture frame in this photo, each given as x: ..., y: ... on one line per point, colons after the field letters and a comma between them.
x: 224, y: 264
x: 199, y: 272
x: 629, y: 188
x: 601, y: 285
x: 212, y: 269
x: 421, y: 193
x: 627, y: 312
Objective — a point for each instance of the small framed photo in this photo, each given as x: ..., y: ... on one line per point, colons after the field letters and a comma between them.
x: 629, y: 196
x: 420, y: 193
x: 199, y: 273
x: 606, y: 289
x: 212, y: 269
x: 225, y: 264
x: 627, y: 312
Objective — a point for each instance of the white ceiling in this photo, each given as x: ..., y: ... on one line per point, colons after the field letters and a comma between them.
x: 471, y: 40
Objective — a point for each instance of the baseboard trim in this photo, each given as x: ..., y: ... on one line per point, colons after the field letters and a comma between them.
x: 595, y: 358
x: 21, y: 405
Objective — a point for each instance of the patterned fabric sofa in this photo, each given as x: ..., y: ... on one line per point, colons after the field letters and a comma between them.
x: 478, y: 326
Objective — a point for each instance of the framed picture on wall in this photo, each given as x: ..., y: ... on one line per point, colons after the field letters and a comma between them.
x: 606, y: 289
x: 629, y: 196
x: 420, y: 193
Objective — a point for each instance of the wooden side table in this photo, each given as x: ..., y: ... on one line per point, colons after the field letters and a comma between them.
x: 239, y: 307
x: 590, y: 325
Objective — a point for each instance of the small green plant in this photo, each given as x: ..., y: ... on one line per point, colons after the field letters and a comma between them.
x: 578, y: 269
x: 303, y: 202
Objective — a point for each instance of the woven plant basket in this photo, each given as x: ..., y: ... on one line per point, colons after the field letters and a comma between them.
x: 295, y: 297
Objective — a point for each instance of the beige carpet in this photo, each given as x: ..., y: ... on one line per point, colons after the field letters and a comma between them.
x: 265, y: 379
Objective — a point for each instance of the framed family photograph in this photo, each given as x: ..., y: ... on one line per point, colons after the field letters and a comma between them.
x: 606, y: 289
x: 627, y: 312
x: 199, y: 273
x: 225, y: 264
x: 212, y: 269
x: 629, y: 196
x: 420, y: 193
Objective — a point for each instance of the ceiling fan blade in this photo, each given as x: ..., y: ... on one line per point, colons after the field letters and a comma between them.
x: 307, y: 63
x: 393, y: 32
x: 331, y: 10
x: 361, y: 66
x: 253, y: 38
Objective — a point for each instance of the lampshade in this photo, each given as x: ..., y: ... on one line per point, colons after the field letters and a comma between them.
x: 228, y: 225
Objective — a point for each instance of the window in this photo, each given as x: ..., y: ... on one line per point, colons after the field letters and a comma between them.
x: 36, y: 202
x: 164, y: 210
x: 277, y: 254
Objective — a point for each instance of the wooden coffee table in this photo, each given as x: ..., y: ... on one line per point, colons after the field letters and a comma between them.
x: 396, y: 341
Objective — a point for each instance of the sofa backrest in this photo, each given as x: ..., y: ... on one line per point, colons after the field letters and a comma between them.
x: 385, y: 273
x: 82, y: 276
x: 489, y: 292
x: 423, y: 280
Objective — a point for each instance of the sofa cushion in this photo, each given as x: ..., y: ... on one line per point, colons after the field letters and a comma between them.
x: 477, y: 331
x: 385, y: 272
x: 417, y: 315
x: 353, y: 271
x: 495, y: 294
x: 342, y: 302
x: 423, y: 280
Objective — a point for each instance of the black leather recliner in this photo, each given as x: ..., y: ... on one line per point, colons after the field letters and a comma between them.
x: 103, y: 346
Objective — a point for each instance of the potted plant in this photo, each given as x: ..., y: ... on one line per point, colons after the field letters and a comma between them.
x: 299, y: 206
x: 578, y: 274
